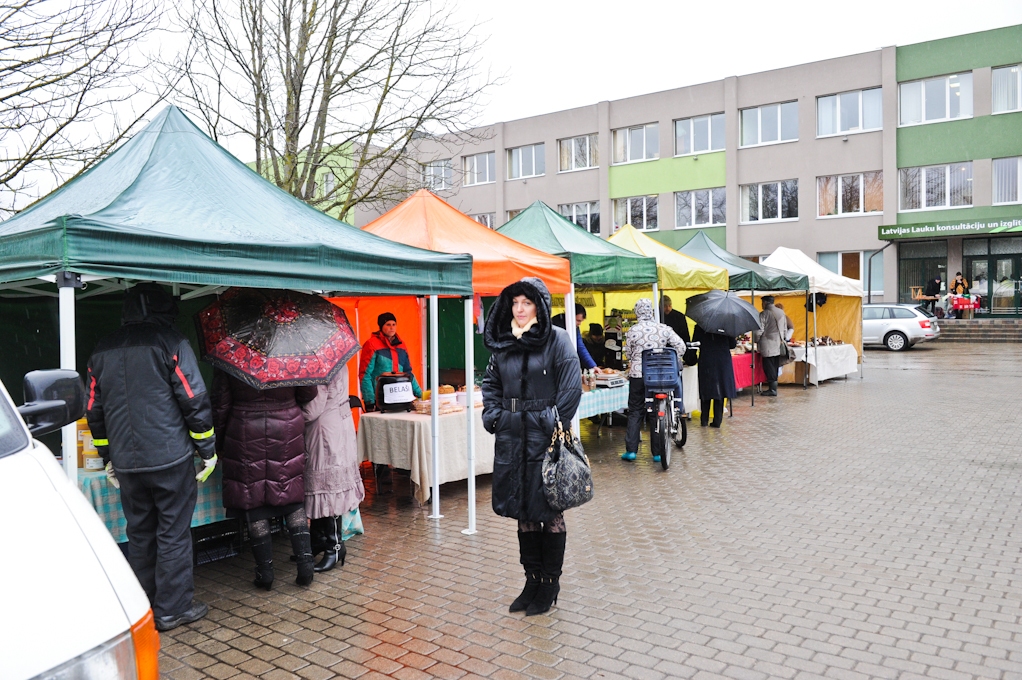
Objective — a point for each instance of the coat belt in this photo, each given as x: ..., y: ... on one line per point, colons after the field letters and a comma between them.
x: 515, y: 405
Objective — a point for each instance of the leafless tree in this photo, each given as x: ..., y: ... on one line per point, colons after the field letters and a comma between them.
x: 67, y: 93
x: 331, y: 92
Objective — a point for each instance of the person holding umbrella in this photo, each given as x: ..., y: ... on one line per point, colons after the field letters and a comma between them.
x: 270, y: 350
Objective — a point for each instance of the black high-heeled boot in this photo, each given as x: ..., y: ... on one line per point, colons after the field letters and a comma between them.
x: 301, y: 544
x: 530, y: 551
x: 262, y: 550
x: 550, y: 576
x: 334, y: 551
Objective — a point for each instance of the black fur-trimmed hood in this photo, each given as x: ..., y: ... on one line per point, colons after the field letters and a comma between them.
x: 497, y: 335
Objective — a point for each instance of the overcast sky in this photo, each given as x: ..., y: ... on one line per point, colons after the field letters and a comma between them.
x: 558, y: 54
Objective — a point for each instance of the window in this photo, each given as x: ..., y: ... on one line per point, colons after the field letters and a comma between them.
x: 770, y: 124
x: 637, y: 143
x: 579, y: 153
x: 856, y: 111
x: 850, y: 194
x: 638, y: 211
x: 770, y: 201
x: 485, y: 219
x: 855, y: 265
x: 936, y: 99
x: 511, y: 214
x: 585, y: 215
x: 937, y: 186
x: 481, y: 168
x: 438, y: 175
x: 526, y: 161
x: 1007, y: 176
x: 699, y: 208
x: 1007, y: 87
x: 327, y: 185
x: 697, y: 135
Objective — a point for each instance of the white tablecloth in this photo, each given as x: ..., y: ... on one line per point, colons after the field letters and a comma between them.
x: 404, y: 440
x: 829, y: 362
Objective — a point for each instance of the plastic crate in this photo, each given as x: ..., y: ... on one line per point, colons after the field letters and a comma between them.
x: 660, y: 368
x: 217, y: 541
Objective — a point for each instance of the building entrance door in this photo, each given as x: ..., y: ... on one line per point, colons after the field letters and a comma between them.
x: 1004, y: 284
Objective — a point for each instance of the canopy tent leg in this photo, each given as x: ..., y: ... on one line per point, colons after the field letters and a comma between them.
x: 569, y: 322
x: 66, y: 284
x: 656, y: 302
x: 752, y: 389
x: 470, y: 408
x: 434, y: 386
x: 816, y: 349
x: 805, y: 374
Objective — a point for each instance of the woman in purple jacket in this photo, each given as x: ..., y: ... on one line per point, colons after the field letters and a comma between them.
x: 260, y: 438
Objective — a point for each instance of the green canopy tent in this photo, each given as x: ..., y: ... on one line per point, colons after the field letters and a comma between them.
x: 745, y: 275
x: 171, y: 205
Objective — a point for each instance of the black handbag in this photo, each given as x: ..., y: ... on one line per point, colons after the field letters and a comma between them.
x: 567, y: 477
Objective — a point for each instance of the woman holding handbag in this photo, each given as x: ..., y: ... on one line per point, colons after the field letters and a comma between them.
x: 533, y: 382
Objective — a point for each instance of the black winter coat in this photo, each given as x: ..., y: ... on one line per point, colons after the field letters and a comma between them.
x: 147, y: 406
x: 260, y: 435
x: 716, y: 371
x: 525, y: 381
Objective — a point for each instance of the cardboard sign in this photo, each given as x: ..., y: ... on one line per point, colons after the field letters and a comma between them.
x: 398, y: 393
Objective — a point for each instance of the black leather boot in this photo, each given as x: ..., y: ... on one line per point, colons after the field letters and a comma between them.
x: 301, y: 544
x: 704, y: 412
x: 262, y: 549
x: 772, y: 392
x: 718, y: 412
x: 530, y: 552
x: 334, y: 549
x: 550, y: 576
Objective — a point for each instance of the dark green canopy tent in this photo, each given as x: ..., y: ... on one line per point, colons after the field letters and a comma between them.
x: 594, y: 262
x: 743, y: 274
x: 172, y: 205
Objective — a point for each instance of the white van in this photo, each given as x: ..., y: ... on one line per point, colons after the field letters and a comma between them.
x: 72, y: 608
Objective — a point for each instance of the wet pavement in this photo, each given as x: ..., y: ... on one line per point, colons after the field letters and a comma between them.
x: 865, y: 529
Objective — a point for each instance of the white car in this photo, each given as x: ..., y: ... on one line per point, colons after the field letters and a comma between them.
x: 72, y: 608
x: 897, y: 327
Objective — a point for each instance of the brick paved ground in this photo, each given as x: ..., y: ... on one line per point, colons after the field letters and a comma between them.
x: 865, y: 529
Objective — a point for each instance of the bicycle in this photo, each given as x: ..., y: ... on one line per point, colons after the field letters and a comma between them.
x: 662, y: 378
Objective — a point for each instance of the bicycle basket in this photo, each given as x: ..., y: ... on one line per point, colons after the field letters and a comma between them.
x: 660, y: 368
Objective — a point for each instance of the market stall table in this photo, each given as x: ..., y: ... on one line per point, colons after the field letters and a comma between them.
x: 826, y: 362
x: 404, y: 441
x: 602, y: 400
x: 744, y: 373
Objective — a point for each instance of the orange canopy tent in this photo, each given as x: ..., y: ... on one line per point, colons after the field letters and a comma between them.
x: 427, y: 221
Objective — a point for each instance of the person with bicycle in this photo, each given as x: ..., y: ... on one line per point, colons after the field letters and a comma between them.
x: 645, y: 334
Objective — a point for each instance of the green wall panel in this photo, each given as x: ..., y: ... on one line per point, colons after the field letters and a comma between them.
x: 667, y: 174
x: 988, y: 212
x: 998, y: 47
x: 676, y: 238
x: 961, y: 140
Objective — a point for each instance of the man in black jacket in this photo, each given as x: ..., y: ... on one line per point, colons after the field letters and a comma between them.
x: 149, y: 411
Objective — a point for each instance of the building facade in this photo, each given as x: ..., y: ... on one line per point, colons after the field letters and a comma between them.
x: 825, y: 157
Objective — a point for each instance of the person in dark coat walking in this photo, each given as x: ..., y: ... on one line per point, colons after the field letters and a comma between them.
x: 716, y: 375
x: 679, y: 324
x: 149, y: 413
x: 260, y: 436
x: 533, y: 380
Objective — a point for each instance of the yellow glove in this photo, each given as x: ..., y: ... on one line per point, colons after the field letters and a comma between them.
x: 111, y: 476
x: 207, y: 469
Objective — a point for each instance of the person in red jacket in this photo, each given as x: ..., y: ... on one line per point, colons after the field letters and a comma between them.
x: 384, y: 352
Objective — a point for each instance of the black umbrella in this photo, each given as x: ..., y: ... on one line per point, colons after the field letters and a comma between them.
x: 720, y: 312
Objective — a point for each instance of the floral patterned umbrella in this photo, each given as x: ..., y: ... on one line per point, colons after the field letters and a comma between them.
x: 276, y: 338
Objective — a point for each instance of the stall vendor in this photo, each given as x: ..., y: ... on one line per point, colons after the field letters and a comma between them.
x: 679, y: 324
x: 383, y: 353
x: 596, y: 343
x: 584, y: 358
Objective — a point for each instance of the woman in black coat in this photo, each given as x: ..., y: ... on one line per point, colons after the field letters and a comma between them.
x: 716, y: 374
x: 533, y: 380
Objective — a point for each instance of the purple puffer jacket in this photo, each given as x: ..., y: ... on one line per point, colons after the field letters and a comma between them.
x: 260, y: 439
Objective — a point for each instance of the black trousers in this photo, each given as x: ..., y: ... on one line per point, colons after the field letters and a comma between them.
x: 636, y: 413
x: 718, y: 411
x: 770, y: 367
x: 158, y: 507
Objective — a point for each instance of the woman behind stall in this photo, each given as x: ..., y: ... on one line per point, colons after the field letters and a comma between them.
x: 716, y: 374
x: 333, y: 485
x: 261, y: 440
x: 533, y: 379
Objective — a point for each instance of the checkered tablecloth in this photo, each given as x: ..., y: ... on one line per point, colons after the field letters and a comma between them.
x: 209, y: 506
x: 603, y: 400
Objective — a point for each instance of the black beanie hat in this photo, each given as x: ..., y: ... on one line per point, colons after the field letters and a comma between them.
x: 384, y: 318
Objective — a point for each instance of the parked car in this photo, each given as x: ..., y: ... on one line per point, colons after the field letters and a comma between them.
x: 72, y: 607
x: 897, y: 327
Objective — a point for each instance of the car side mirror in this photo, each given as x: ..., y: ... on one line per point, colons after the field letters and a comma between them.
x: 53, y: 399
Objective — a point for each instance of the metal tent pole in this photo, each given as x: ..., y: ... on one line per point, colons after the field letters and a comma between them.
x: 805, y: 357
x: 471, y: 410
x: 569, y: 323
x: 66, y: 284
x: 752, y: 388
x: 656, y: 302
x: 816, y: 333
x: 434, y: 385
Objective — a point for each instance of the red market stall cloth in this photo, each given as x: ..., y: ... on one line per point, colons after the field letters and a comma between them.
x: 744, y: 376
x: 964, y: 302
